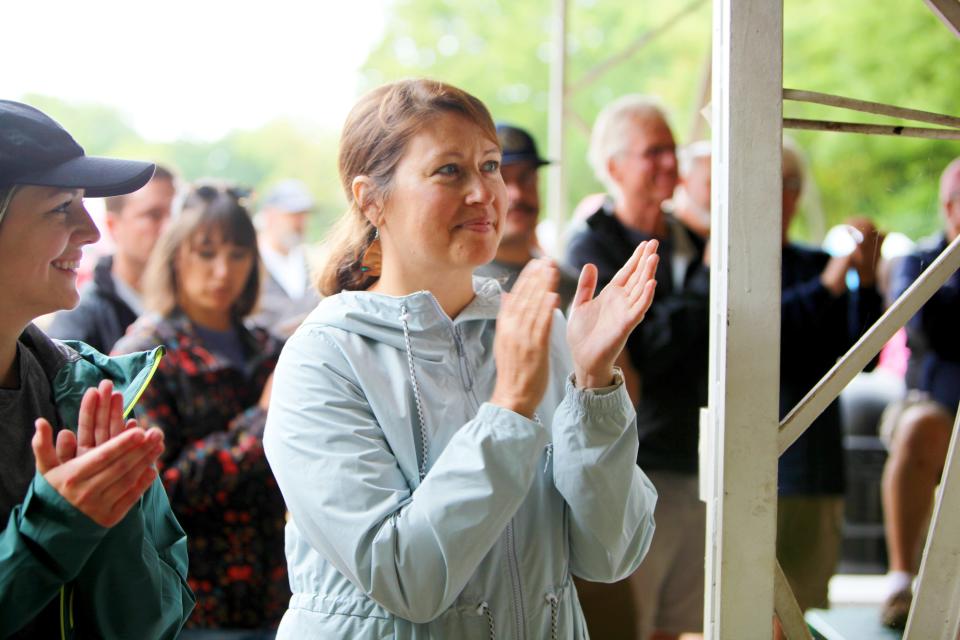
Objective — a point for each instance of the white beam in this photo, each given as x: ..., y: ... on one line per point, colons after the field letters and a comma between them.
x: 869, y: 345
x: 787, y: 608
x: 949, y: 13
x: 936, y: 607
x: 871, y: 129
x: 556, y: 144
x: 876, y: 108
x: 745, y: 317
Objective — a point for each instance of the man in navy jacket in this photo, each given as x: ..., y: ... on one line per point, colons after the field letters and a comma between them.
x: 917, y: 432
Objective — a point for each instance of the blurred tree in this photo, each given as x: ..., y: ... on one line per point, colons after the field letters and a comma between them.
x: 256, y: 158
x: 500, y: 52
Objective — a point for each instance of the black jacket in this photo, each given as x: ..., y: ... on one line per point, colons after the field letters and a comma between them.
x: 101, y: 318
x: 816, y: 328
x: 668, y: 349
x: 933, y: 334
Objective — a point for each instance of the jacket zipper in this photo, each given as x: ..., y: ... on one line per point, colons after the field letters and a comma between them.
x: 510, y: 539
x: 512, y: 563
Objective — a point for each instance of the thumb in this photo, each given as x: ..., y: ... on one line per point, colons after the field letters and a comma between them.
x: 585, y: 286
x: 43, y: 451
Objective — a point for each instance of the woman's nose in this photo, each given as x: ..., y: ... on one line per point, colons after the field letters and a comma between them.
x: 481, y: 191
x: 87, y: 232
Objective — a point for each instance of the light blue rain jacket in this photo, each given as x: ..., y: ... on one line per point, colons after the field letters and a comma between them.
x: 419, y: 510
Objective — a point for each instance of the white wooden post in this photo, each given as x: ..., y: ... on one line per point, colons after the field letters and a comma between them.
x: 936, y: 607
x: 556, y: 147
x: 745, y: 312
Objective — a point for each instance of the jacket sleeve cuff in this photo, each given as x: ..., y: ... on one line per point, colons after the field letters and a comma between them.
x: 606, y: 408
x: 62, y: 531
x: 512, y: 425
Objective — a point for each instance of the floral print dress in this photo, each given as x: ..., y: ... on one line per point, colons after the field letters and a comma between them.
x: 214, y: 469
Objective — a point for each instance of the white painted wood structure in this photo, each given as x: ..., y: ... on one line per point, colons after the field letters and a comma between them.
x: 741, y: 436
x: 739, y: 466
x: 745, y: 308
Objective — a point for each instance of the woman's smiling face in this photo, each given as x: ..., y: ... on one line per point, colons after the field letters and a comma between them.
x: 446, y: 203
x: 41, y: 241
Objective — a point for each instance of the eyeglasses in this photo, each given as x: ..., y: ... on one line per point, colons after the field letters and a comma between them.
x: 657, y: 152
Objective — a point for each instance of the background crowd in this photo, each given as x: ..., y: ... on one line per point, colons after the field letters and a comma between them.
x: 221, y: 277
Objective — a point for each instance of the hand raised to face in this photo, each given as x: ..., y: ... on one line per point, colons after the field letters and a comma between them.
x: 599, y: 326
x: 521, y: 347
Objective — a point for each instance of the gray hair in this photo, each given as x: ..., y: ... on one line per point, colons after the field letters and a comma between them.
x: 6, y: 197
x: 611, y: 128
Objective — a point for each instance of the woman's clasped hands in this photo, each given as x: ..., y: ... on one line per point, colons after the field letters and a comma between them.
x: 596, y: 332
x: 106, y: 466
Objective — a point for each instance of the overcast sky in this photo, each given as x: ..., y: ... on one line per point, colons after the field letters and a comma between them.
x: 196, y: 69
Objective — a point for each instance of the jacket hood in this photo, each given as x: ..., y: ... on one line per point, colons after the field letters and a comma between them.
x: 381, y: 317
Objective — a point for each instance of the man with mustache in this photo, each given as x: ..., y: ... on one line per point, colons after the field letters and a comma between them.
x: 519, y: 245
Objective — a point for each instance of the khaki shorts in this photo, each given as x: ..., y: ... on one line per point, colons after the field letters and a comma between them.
x: 808, y: 545
x: 668, y: 586
x: 914, y: 400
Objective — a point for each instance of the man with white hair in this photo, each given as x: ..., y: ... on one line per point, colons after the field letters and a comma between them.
x: 287, y: 294
x: 691, y: 202
x: 633, y: 153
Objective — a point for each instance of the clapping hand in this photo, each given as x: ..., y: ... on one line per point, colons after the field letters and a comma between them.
x: 521, y: 347
x: 105, y: 467
x: 599, y: 326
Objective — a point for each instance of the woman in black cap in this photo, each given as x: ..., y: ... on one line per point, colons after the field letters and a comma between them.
x: 90, y: 547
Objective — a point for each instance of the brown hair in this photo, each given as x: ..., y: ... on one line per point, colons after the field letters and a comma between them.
x: 374, y: 139
x: 114, y: 204
x: 206, y: 207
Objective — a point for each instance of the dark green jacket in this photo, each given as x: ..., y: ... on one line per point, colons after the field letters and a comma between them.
x: 128, y: 581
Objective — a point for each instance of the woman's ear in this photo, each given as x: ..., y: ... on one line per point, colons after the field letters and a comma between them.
x: 367, y: 199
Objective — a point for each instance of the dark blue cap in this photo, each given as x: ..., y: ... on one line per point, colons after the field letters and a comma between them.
x: 518, y: 146
x: 35, y: 150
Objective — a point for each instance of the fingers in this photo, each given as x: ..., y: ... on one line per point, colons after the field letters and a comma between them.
x: 86, y: 419
x: 643, y: 302
x: 43, y: 451
x: 623, y: 275
x: 586, y: 285
x: 97, y: 460
x: 117, y: 425
x: 137, y: 488
x: 66, y: 445
x: 101, y: 428
x: 645, y: 269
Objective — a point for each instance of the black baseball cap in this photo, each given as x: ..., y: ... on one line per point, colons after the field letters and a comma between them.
x: 35, y: 150
x: 518, y: 146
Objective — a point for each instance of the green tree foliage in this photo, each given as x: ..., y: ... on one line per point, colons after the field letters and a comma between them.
x: 255, y: 158
x: 899, y: 54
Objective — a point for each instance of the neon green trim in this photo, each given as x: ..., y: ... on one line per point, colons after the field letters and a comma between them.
x: 153, y: 369
x: 63, y: 630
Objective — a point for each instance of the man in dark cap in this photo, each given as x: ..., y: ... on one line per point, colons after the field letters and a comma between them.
x: 518, y: 245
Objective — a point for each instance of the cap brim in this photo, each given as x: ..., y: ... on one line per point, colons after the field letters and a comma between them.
x: 99, y: 177
x: 514, y: 158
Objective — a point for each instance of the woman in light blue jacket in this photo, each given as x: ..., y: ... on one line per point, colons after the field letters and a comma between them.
x: 450, y: 455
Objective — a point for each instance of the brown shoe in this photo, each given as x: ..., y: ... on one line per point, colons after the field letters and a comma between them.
x: 896, y: 609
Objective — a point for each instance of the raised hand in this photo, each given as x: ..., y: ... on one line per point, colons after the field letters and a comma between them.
x: 521, y: 347
x: 100, y: 418
x: 104, y: 482
x: 599, y: 326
